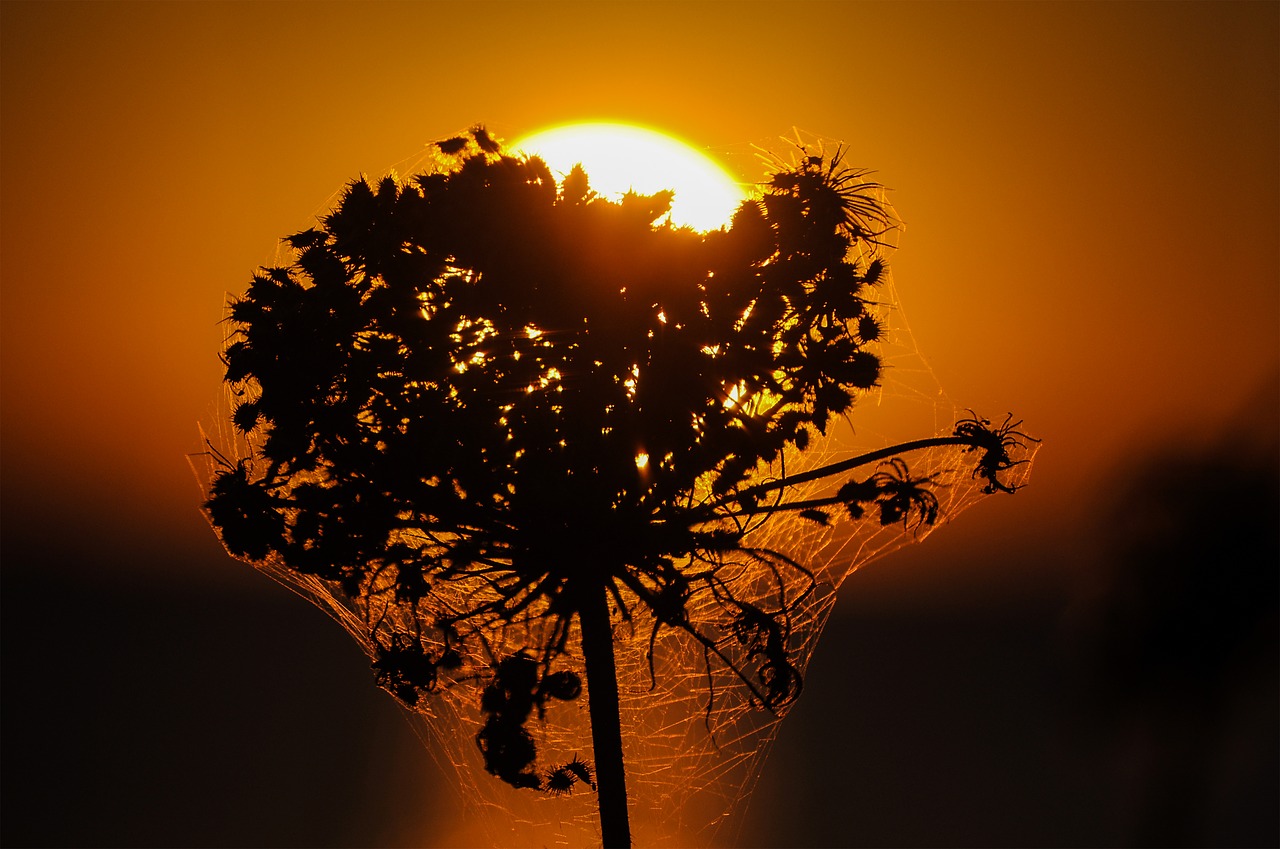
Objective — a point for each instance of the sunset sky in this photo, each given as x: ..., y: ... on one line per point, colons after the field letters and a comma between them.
x: 1091, y: 194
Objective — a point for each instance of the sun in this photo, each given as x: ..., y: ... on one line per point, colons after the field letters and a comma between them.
x: 621, y: 157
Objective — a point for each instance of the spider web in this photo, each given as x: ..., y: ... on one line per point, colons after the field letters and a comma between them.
x: 695, y: 737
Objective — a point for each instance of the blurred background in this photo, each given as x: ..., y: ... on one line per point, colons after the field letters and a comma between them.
x: 1092, y: 203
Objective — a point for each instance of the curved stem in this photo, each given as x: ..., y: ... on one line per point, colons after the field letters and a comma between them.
x: 841, y: 466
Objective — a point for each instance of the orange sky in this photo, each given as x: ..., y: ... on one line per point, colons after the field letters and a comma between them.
x: 1091, y: 193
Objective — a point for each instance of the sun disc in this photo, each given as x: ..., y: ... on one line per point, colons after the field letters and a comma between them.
x: 619, y: 158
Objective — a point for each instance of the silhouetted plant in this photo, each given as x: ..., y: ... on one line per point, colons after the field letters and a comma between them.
x: 562, y: 408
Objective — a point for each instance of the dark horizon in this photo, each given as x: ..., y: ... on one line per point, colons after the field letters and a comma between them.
x: 1092, y: 207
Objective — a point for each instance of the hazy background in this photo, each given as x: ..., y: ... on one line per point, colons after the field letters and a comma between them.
x: 1092, y: 198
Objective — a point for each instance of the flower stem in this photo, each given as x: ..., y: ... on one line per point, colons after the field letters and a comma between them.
x: 606, y: 725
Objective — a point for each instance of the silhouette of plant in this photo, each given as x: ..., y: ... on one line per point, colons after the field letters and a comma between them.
x: 562, y: 409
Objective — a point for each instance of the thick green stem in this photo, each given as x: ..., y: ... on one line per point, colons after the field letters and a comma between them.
x: 606, y: 724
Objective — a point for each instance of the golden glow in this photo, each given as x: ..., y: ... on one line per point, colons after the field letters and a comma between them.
x: 620, y: 158
x: 735, y: 394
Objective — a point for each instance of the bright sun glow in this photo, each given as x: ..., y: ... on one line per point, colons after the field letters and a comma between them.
x: 619, y: 157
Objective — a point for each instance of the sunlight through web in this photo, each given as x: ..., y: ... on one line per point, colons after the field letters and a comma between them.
x: 695, y: 734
